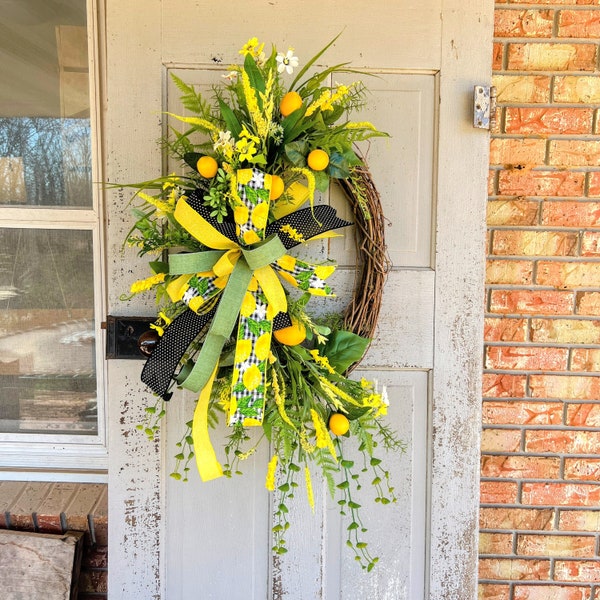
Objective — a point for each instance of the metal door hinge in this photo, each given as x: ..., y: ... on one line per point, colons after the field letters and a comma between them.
x: 484, y: 107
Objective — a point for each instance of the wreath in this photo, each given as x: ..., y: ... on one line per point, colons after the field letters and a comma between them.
x: 233, y: 286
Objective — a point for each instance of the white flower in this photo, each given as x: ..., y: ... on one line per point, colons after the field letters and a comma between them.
x: 287, y: 62
x: 223, y: 141
x: 230, y: 76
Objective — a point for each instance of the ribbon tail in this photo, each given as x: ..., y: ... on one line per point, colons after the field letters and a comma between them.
x: 160, y: 367
x: 206, y: 459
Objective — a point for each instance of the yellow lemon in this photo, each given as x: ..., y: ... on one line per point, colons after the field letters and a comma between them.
x: 252, y: 378
x: 277, y: 187
x: 248, y: 305
x: 287, y: 262
x: 263, y: 346
x: 324, y: 271
x: 242, y: 350
x: 293, y: 335
x: 339, y: 424
x: 318, y: 160
x: 289, y: 103
x: 259, y: 215
x: 207, y: 166
x: 240, y: 214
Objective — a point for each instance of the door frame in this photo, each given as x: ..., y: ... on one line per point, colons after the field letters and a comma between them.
x: 136, y: 481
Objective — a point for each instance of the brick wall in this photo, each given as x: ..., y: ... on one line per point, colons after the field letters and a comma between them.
x: 56, y: 508
x: 540, y: 488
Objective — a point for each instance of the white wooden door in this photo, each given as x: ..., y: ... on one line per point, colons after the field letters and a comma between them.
x: 180, y: 541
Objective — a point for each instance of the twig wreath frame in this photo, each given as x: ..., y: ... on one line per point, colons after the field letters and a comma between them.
x: 227, y: 328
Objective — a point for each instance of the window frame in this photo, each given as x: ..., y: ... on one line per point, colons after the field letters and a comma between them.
x: 71, y: 457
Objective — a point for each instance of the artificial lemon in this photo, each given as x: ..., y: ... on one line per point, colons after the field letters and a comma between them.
x: 291, y: 336
x: 339, y: 424
x: 318, y: 160
x: 289, y: 103
x: 277, y: 187
x: 207, y: 166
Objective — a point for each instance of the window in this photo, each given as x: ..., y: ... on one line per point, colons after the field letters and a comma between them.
x: 51, y: 367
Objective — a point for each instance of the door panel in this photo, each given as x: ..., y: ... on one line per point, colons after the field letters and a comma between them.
x: 215, y: 537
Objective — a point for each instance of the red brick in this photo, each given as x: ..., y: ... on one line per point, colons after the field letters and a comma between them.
x: 571, y: 214
x: 501, y: 385
x: 594, y: 184
x: 526, y: 358
x: 577, y: 570
x: 560, y: 494
x: 523, y: 23
x: 579, y: 23
x: 522, y: 413
x: 536, y: 519
x: 568, y: 274
x: 583, y: 89
x: 551, y: 57
x: 585, y: 359
x: 561, y: 121
x: 517, y: 151
x: 556, y: 545
x: 588, y: 303
x: 512, y: 212
x: 534, y: 243
x: 584, y: 415
x: 563, y: 442
x: 533, y: 302
x: 500, y: 440
x: 574, y: 153
x: 582, y: 469
x: 590, y: 243
x: 498, y: 492
x: 492, y: 591
x: 522, y: 88
x: 514, y: 569
x: 497, y: 56
x: 565, y: 331
x: 495, y: 543
x: 551, y: 592
x: 540, y: 183
x: 579, y: 520
x: 520, y: 467
x: 513, y: 272
x: 568, y: 387
x: 95, y: 558
x: 505, y: 330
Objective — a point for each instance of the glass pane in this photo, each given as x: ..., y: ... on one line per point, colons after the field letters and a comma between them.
x: 45, y: 155
x: 47, y: 343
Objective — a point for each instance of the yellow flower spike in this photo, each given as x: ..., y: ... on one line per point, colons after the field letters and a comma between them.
x: 271, y: 470
x: 323, y: 438
x: 160, y: 330
x: 143, y: 285
x: 165, y: 319
x: 309, y: 489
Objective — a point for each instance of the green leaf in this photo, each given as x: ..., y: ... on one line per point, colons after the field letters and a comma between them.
x: 191, y: 159
x: 159, y: 266
x: 344, y: 348
x: 321, y: 180
x: 296, y: 152
x: 338, y: 166
x: 231, y: 121
x: 352, y: 526
x: 313, y: 60
x: 255, y: 76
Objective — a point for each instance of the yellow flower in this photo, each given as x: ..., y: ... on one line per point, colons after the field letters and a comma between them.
x: 271, y: 468
x: 160, y: 330
x: 292, y: 232
x: 253, y: 47
x: 322, y: 361
x: 143, y: 285
x: 246, y: 149
x: 280, y: 400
